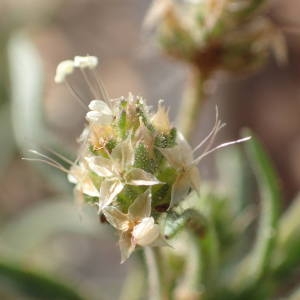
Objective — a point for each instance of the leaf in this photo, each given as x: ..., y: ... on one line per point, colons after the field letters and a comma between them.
x: 27, y: 81
x: 271, y: 199
x: 235, y: 176
x: 257, y: 264
x: 287, y: 257
x: 34, y: 284
x: 190, y: 219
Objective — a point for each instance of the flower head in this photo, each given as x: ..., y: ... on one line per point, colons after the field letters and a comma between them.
x: 194, y: 30
x: 132, y: 163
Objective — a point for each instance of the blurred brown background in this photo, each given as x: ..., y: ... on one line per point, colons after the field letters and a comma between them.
x: 130, y: 61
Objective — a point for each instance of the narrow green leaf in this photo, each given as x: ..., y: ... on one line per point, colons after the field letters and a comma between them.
x: 286, y: 257
x: 253, y: 270
x: 270, y: 196
x: 189, y: 219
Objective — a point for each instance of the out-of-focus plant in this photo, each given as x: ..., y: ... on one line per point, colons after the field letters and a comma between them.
x: 137, y: 169
x: 214, y: 35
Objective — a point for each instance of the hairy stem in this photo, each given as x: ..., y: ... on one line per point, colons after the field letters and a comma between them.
x: 191, y: 103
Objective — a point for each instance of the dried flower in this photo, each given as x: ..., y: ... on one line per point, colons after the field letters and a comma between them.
x: 209, y: 34
x: 161, y: 121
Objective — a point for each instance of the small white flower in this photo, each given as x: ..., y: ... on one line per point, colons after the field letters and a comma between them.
x: 99, y: 113
x: 181, y: 157
x: 136, y: 227
x: 63, y: 69
x: 118, y: 171
x: 90, y: 62
x: 80, y: 175
x: 146, y: 232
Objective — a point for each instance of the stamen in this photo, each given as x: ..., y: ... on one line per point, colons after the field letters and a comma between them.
x: 101, y: 88
x: 49, y: 160
x: 59, y: 155
x: 78, y: 98
x: 88, y: 82
x: 57, y: 166
x: 216, y: 128
x: 198, y: 159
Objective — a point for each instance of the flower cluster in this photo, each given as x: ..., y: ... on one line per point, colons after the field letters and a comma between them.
x: 216, y: 34
x: 133, y: 164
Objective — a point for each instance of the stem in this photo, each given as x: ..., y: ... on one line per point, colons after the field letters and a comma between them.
x: 154, y: 274
x: 190, y: 286
x: 191, y: 103
x: 133, y: 288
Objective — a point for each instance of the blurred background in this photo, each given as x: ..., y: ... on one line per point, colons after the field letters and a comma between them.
x: 40, y: 227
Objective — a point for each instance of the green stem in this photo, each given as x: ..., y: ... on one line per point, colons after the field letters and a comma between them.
x: 191, y: 103
x: 154, y: 274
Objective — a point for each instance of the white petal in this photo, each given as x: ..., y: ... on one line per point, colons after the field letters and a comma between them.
x: 100, y: 112
x: 195, y: 178
x: 79, y: 175
x: 84, y: 135
x: 109, y: 190
x: 141, y: 207
x: 116, y: 218
x: 100, y: 165
x: 180, y: 189
x: 126, y: 246
x: 140, y: 177
x: 99, y: 118
x: 145, y: 232
x: 123, y: 154
x: 100, y: 106
x: 88, y: 188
